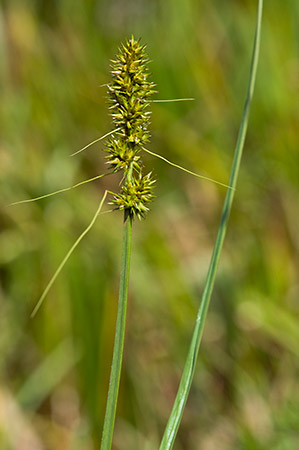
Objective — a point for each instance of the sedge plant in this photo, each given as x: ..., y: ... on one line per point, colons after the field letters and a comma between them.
x: 129, y: 95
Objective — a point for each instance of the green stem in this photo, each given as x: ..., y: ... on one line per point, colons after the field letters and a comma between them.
x: 119, y: 338
x: 186, y: 380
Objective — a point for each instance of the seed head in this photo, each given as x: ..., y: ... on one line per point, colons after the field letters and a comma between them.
x: 129, y: 94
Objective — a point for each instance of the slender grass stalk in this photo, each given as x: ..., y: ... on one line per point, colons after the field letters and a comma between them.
x: 129, y: 93
x: 186, y: 380
x: 119, y: 338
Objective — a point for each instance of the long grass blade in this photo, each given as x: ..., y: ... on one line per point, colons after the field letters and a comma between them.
x: 29, y: 200
x: 186, y: 170
x: 63, y: 262
x: 186, y: 380
x: 119, y: 339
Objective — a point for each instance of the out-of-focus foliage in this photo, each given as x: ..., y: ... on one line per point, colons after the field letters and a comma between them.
x: 54, y: 369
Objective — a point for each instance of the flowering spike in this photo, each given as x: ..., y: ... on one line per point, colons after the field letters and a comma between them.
x: 129, y: 94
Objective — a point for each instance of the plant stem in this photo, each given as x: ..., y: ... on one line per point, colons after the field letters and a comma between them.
x: 186, y: 380
x: 119, y: 338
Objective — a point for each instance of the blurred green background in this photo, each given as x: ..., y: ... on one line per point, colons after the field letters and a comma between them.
x: 54, y: 373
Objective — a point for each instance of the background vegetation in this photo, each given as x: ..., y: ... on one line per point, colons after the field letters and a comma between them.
x: 54, y: 369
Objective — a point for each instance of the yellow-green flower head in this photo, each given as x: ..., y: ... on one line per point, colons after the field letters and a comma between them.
x: 129, y: 94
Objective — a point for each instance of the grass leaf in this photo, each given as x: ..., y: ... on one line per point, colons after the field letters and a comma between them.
x: 186, y: 380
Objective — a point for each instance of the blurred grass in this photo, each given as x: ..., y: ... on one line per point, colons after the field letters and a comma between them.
x: 53, y: 57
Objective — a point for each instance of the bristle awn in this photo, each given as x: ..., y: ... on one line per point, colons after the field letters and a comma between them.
x: 95, y: 141
x: 187, y: 376
x: 61, y: 265
x: 186, y: 170
x: 172, y: 100
x: 29, y: 200
x: 106, y: 212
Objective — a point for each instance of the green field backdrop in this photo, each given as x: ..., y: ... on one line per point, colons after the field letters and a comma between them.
x: 54, y: 369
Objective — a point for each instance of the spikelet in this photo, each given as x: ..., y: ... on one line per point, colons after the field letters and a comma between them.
x: 136, y: 194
